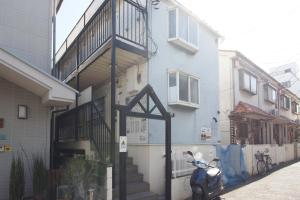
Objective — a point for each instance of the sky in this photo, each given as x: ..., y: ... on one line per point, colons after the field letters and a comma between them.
x: 265, y: 31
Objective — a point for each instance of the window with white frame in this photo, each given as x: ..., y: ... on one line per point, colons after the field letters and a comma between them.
x: 183, y: 89
x: 285, y: 102
x: 295, y: 107
x: 270, y: 93
x: 248, y: 82
x: 183, y: 29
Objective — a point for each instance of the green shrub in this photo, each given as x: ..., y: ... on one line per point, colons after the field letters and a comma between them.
x: 81, y: 174
x: 17, y: 179
x: 39, y: 177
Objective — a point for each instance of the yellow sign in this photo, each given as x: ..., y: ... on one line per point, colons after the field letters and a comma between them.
x: 7, y: 148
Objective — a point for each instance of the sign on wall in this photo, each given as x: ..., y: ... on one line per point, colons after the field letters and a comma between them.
x: 1, y: 123
x: 137, y: 128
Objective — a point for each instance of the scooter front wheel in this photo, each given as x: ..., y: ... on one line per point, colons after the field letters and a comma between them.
x: 197, y: 196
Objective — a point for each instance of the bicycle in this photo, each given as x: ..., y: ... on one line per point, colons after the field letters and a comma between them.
x: 264, y: 162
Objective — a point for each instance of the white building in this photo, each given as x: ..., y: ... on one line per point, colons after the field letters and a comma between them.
x: 28, y: 91
x: 254, y: 107
x: 288, y: 76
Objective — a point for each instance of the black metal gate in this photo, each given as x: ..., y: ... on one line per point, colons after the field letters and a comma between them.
x: 147, y: 112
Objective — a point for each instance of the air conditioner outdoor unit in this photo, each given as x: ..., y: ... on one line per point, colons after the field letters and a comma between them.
x: 274, y: 112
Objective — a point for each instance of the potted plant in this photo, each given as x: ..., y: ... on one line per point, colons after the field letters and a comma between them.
x: 79, y: 175
x: 17, y: 179
x: 39, y: 178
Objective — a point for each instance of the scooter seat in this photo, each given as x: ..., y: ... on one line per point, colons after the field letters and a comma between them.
x: 212, y: 172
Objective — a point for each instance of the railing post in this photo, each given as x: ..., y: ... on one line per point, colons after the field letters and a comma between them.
x: 113, y: 84
x: 168, y: 184
x: 91, y: 136
x: 147, y: 27
x: 76, y: 124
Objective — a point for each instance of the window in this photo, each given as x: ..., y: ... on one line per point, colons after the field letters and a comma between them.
x: 183, y: 89
x: 270, y: 93
x: 183, y: 29
x: 285, y: 102
x: 288, y: 70
x: 248, y: 82
x: 287, y: 84
x: 295, y: 107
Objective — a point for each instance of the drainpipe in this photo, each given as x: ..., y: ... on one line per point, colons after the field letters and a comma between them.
x: 52, y: 137
x: 233, y: 81
x: 53, y: 38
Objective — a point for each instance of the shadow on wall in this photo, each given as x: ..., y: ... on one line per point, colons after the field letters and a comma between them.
x: 233, y: 164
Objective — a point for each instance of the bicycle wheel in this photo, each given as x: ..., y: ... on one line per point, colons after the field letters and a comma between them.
x: 261, y: 167
x: 269, y: 163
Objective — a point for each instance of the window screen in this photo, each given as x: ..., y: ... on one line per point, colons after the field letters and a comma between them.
x: 253, y: 84
x: 194, y: 91
x: 183, y: 87
x: 172, y: 79
x: 183, y: 24
x: 193, y: 31
x: 172, y: 23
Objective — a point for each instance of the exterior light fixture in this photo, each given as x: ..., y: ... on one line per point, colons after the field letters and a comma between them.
x: 22, y: 112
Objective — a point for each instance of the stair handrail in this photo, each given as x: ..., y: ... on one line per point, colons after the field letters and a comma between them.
x: 92, y: 136
x: 99, y: 134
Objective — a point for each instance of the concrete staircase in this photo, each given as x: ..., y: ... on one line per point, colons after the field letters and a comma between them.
x: 137, y: 189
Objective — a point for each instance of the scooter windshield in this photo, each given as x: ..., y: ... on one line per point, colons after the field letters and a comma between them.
x: 199, y: 161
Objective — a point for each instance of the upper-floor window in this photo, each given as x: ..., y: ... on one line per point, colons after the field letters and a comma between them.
x: 288, y: 70
x: 248, y: 82
x: 183, y: 89
x: 270, y: 93
x: 295, y: 107
x: 285, y: 102
x: 183, y: 29
x: 286, y: 84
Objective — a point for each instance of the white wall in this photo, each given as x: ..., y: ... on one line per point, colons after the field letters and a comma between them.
x: 277, y: 153
x: 25, y: 30
x: 151, y: 163
x: 32, y: 134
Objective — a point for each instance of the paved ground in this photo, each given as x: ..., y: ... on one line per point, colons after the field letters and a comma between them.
x: 283, y: 184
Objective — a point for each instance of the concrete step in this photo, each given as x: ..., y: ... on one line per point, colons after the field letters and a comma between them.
x: 142, y: 196
x: 131, y: 170
x: 132, y: 178
x: 129, y: 161
x: 133, y: 188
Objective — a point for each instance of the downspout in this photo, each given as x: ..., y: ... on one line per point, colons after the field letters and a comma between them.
x: 53, y: 37
x: 233, y: 81
x: 52, y: 136
x: 233, y: 98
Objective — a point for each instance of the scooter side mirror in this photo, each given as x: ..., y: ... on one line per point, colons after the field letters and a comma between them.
x: 190, y: 153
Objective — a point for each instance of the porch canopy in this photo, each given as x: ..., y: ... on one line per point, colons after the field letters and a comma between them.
x: 284, y: 120
x: 249, y: 111
x: 52, y: 91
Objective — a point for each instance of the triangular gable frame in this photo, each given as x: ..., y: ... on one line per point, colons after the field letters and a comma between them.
x: 126, y: 111
x: 149, y: 93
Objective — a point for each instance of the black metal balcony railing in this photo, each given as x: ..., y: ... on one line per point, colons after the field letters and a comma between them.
x: 86, y: 123
x: 130, y: 26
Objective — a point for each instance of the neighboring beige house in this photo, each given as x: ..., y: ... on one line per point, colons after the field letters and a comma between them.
x: 254, y: 107
x: 27, y: 91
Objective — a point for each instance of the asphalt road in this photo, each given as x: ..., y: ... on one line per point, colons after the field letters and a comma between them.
x: 283, y: 184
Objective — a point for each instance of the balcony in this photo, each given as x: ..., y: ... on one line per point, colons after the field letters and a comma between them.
x: 88, y: 44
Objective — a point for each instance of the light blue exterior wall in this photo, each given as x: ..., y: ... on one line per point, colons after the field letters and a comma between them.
x: 187, y: 123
